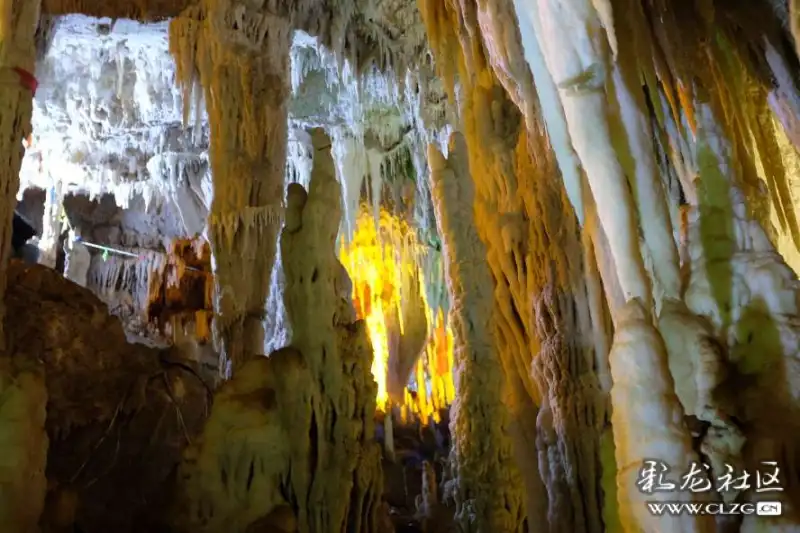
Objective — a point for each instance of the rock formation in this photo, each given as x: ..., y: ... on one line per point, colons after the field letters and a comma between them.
x: 294, y: 430
x: 545, y: 244
x: 114, y: 443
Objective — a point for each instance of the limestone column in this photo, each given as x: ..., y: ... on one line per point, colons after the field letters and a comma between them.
x: 23, y: 441
x: 482, y: 456
x: 241, y: 57
x: 51, y: 226
x: 78, y: 260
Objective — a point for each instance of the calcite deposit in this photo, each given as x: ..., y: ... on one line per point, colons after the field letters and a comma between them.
x: 363, y: 265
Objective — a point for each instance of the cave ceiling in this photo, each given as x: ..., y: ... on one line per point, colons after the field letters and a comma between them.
x: 108, y: 113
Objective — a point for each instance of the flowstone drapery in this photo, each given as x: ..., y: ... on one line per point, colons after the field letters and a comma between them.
x: 289, y: 443
x: 240, y: 55
x: 23, y: 441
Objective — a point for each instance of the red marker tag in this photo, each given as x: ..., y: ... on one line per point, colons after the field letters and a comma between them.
x: 27, y: 80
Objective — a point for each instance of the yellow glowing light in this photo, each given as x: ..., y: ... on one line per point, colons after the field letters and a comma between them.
x: 377, y: 334
x: 378, y: 261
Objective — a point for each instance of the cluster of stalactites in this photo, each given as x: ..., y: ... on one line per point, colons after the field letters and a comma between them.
x: 629, y: 159
x: 684, y: 114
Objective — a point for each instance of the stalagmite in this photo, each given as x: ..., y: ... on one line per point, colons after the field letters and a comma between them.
x: 428, y: 499
x: 341, y: 487
x: 539, y: 285
x: 23, y: 441
x: 617, y: 213
x: 478, y: 418
x: 241, y: 56
x: 291, y: 435
x: 574, y: 399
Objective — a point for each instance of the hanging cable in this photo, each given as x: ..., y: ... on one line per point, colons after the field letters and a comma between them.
x: 107, y: 249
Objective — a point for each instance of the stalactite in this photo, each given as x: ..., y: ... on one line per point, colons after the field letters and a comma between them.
x: 487, y: 498
x: 246, y: 93
x: 746, y: 291
x: 181, y: 177
x: 552, y: 110
x: 352, y: 167
x: 643, y: 400
x: 643, y: 172
x: 594, y: 234
x: 132, y: 278
x: 578, y: 66
x: 601, y: 323
x: 78, y: 260
x: 794, y: 23
x: 23, y: 440
x: 18, y: 50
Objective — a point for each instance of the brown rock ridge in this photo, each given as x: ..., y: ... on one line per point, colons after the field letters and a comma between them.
x: 118, y: 414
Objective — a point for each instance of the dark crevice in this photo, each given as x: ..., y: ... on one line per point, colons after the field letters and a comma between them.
x: 250, y: 475
x: 313, y: 436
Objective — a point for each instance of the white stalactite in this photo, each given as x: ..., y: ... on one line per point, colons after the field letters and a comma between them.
x: 744, y: 288
x: 648, y: 191
x: 241, y: 55
x: 552, y: 109
x: 78, y: 260
x: 647, y: 420
x: 575, y: 48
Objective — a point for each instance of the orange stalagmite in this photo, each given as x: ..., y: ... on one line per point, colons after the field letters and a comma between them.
x: 380, y: 262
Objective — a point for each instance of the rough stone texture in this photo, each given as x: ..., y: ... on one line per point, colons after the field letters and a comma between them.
x: 347, y: 476
x: 23, y: 445
x: 22, y: 437
x: 485, y: 483
x: 543, y: 334
x: 118, y: 414
x: 245, y: 75
x: 289, y: 443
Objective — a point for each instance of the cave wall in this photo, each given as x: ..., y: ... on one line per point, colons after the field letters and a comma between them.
x: 115, y: 442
